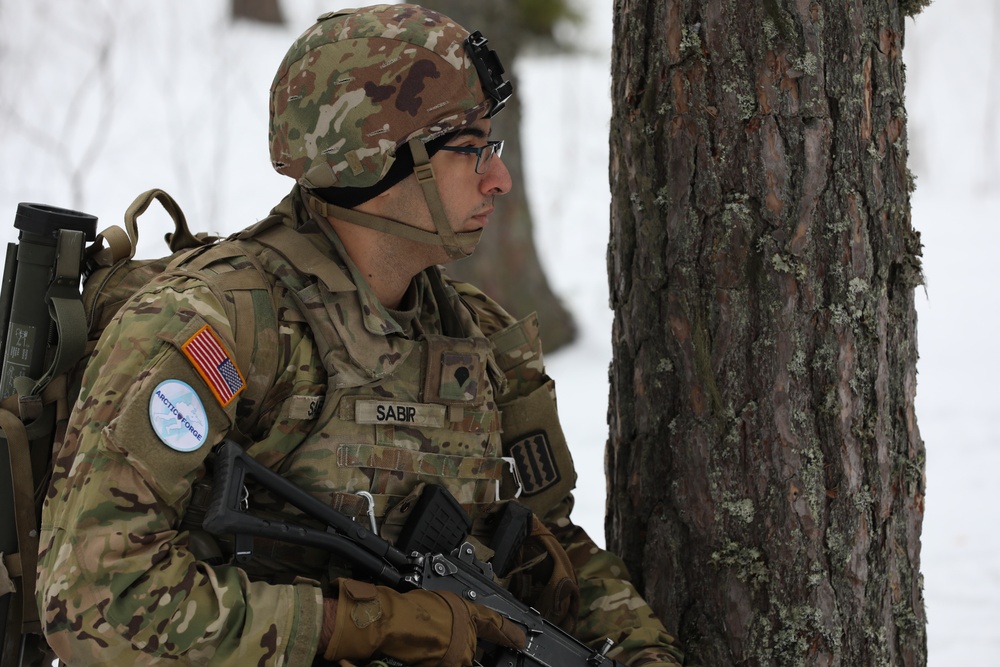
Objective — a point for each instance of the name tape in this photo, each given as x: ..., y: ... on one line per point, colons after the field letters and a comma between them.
x: 399, y: 412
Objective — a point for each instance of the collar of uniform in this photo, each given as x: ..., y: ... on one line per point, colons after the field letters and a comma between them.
x: 288, y: 231
x: 376, y: 317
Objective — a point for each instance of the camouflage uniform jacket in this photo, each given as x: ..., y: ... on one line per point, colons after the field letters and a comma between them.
x: 367, y: 404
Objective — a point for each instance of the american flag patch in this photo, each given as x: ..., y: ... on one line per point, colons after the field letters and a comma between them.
x: 213, y: 363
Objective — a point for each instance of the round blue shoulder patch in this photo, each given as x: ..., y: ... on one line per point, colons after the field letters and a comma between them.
x: 178, y: 416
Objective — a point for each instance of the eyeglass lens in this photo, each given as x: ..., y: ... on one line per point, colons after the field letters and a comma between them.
x: 485, y: 155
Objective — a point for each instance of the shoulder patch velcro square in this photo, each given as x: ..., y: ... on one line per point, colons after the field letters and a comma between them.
x: 535, y: 462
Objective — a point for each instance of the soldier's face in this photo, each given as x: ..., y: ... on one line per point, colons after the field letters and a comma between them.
x: 467, y: 196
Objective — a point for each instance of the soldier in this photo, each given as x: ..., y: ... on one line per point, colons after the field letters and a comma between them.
x: 327, y: 341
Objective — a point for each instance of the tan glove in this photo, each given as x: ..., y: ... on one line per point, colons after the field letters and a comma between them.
x: 546, y: 579
x: 419, y: 628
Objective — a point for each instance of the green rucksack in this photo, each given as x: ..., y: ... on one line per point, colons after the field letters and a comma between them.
x: 50, y: 328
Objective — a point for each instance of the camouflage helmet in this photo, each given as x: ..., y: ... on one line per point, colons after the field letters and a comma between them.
x: 361, y: 83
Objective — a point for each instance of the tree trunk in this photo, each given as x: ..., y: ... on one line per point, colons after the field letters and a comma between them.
x: 766, y: 473
x: 263, y: 11
x: 506, y: 265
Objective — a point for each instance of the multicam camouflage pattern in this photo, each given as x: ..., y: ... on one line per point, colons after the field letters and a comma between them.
x: 610, y: 606
x: 388, y: 387
x: 119, y: 582
x: 361, y: 83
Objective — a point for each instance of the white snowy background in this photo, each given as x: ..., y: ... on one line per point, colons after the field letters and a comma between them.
x: 104, y: 99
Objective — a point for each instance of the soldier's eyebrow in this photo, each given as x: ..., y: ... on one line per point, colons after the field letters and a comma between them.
x: 471, y: 132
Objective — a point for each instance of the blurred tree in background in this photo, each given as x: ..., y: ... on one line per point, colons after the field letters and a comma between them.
x: 506, y: 265
x: 264, y: 11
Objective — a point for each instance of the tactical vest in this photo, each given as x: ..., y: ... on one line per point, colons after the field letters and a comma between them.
x: 402, y: 412
x: 399, y: 409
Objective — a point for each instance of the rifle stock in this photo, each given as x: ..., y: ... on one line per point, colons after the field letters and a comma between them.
x: 226, y: 514
x: 458, y: 572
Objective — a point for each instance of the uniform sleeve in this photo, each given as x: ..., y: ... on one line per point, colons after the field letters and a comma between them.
x: 610, y: 606
x: 116, y: 581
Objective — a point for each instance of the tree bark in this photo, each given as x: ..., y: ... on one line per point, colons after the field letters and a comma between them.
x: 506, y: 265
x: 766, y: 472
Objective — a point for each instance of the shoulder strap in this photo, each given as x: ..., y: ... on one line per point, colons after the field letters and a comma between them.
x: 25, y: 561
x: 232, y: 269
x: 67, y: 311
x: 448, y: 300
x: 296, y: 248
x: 245, y: 309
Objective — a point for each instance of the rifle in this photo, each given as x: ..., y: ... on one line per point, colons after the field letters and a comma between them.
x: 458, y: 572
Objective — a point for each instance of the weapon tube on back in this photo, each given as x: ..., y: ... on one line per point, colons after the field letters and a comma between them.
x: 40, y: 293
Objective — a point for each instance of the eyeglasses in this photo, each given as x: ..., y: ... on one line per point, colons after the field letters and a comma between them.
x: 483, y: 153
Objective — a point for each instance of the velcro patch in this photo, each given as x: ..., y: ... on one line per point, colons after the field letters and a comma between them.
x: 205, y: 352
x: 177, y: 416
x: 460, y: 375
x: 304, y: 407
x: 399, y: 412
x: 535, y: 463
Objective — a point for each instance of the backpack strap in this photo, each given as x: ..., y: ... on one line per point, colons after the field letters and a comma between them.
x: 250, y: 307
x: 308, y: 259
x: 25, y: 561
x: 115, y: 244
x: 250, y: 303
x: 63, y: 296
x: 181, y: 238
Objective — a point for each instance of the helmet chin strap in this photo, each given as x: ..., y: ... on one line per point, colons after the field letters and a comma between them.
x: 445, y: 236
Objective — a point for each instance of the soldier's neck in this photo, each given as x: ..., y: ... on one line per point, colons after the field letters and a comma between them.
x: 386, y: 263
